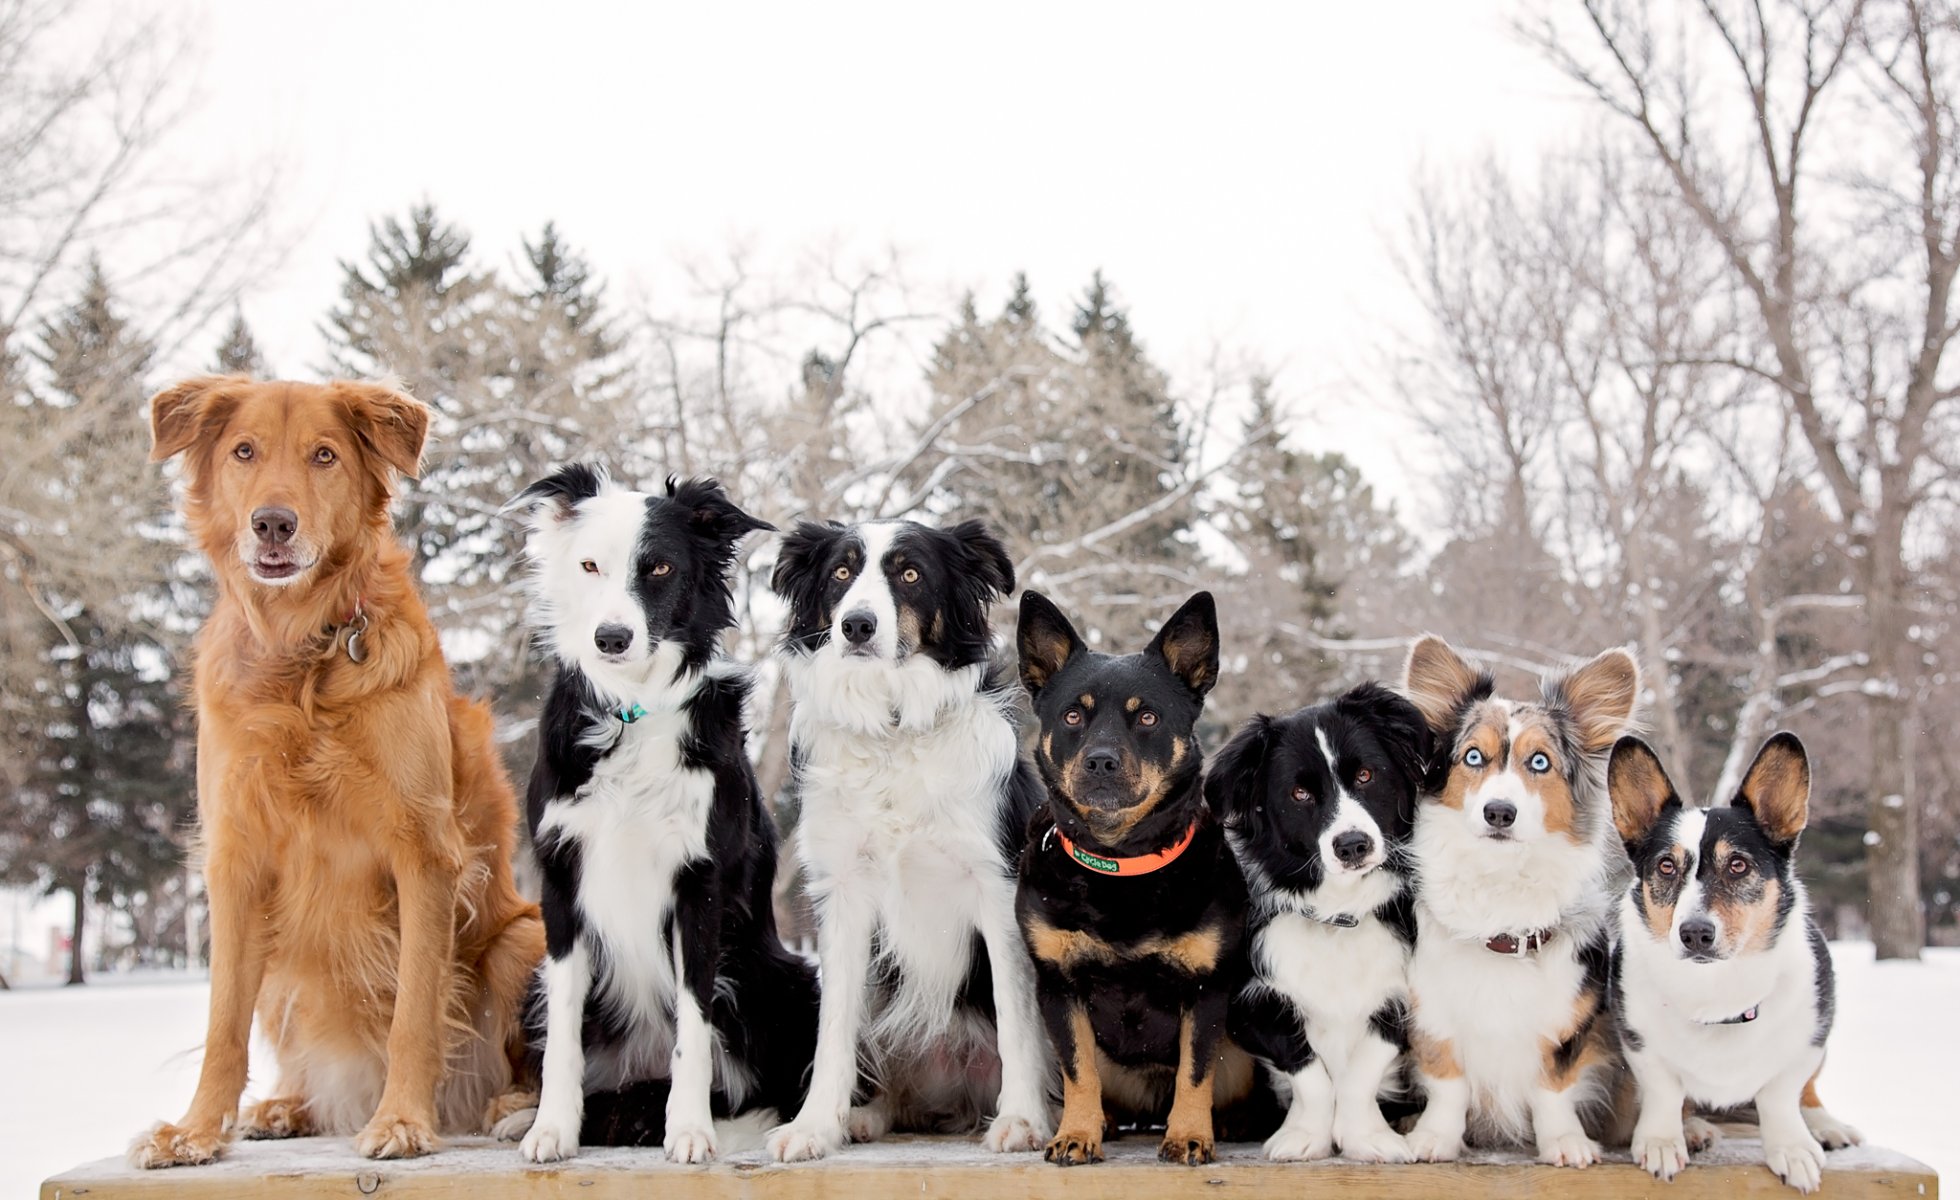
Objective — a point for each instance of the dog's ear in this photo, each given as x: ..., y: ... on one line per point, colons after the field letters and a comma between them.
x: 1639, y: 789
x: 559, y: 493
x: 1777, y: 788
x: 1188, y: 643
x: 1440, y: 683
x: 1599, y: 697
x: 1235, y: 778
x: 1046, y: 639
x: 391, y: 424
x: 1397, y: 724
x: 983, y: 556
x: 804, y: 550
x: 711, y: 513
x: 187, y: 411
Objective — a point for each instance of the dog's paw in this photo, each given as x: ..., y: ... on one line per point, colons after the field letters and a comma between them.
x: 389, y: 1135
x: 1011, y: 1134
x: 281, y: 1117
x: 513, y: 1126
x: 1799, y: 1163
x: 1568, y: 1150
x: 1074, y: 1147
x: 165, y: 1145
x: 1296, y: 1143
x: 1661, y: 1155
x: 502, y: 1108
x: 1192, y: 1147
x: 1700, y: 1133
x: 1426, y: 1145
x: 1382, y: 1145
x: 801, y: 1143
x: 550, y: 1139
x: 695, y: 1145
x: 1830, y: 1132
x: 867, y: 1123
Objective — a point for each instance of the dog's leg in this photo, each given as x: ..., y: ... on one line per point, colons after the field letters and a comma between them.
x: 1660, y: 1139
x: 284, y: 1115
x: 1188, y: 1133
x: 237, y: 913
x: 1789, y: 1148
x: 1079, y: 1139
x: 1359, y: 1127
x: 694, y: 936
x: 1308, y: 1131
x: 1021, y: 1121
x: 1830, y: 1132
x: 1438, y: 1135
x: 561, y: 1097
x: 425, y: 894
x: 506, y: 969
x: 1561, y: 1136
x: 845, y: 924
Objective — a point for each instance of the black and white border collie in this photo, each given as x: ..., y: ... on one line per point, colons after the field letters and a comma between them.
x: 1318, y: 806
x: 1515, y: 883
x: 666, y: 992
x: 914, y: 799
x: 1725, y: 984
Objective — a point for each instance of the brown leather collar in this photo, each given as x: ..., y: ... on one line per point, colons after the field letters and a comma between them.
x: 1517, y: 947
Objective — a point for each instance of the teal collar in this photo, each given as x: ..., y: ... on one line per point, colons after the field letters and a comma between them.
x: 630, y: 713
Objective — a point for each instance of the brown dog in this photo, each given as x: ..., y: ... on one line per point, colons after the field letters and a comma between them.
x: 357, y: 824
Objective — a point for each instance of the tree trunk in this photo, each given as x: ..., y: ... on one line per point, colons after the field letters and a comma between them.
x: 75, y: 975
x: 1892, y: 846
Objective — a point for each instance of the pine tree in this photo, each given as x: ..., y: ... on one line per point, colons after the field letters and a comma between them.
x: 238, y: 353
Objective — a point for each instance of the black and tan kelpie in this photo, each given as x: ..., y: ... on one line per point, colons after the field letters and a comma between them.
x: 1129, y: 897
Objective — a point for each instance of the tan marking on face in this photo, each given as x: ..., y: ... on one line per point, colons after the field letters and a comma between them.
x: 1535, y: 736
x: 1151, y: 780
x: 1048, y: 746
x: 1078, y: 1139
x: 911, y: 629
x: 1660, y: 913
x: 1087, y: 700
x: 1487, y: 723
x: 1748, y: 925
x: 1187, y: 1131
x: 1132, y: 704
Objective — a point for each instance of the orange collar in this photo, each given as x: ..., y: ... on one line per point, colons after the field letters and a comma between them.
x: 1142, y: 864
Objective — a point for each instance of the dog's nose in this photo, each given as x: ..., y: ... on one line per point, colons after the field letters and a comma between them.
x: 1101, y: 762
x: 1698, y: 935
x: 275, y: 525
x: 1353, y: 846
x: 859, y: 627
x: 1500, y: 814
x: 612, y: 639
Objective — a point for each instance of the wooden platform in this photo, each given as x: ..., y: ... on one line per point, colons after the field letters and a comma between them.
x: 310, y: 1168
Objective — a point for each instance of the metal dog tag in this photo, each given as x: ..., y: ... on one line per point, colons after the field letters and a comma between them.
x: 356, y: 651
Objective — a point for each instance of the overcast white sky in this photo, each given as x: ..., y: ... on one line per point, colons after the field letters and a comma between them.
x: 1234, y: 168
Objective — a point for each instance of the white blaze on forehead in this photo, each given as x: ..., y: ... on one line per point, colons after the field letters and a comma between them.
x: 1689, y: 826
x: 870, y: 590
x: 1349, y: 816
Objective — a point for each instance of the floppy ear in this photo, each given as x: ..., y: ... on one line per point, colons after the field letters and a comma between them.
x: 1599, y: 697
x: 180, y: 414
x: 1439, y: 682
x: 560, y: 492
x: 1235, y: 778
x: 1046, y: 639
x: 390, y: 423
x: 1188, y: 642
x: 984, y: 556
x: 1397, y: 724
x: 1777, y: 787
x: 711, y: 513
x: 1639, y: 789
x: 803, y: 550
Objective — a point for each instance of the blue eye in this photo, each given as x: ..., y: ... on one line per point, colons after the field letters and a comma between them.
x: 1539, y: 763
x: 1473, y: 757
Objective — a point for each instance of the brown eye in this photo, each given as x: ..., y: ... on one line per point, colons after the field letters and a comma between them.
x: 662, y: 568
x: 1364, y: 775
x: 1302, y: 795
x: 1666, y: 867
x: 1738, y: 865
x: 324, y: 457
x: 1146, y: 718
x: 1072, y: 717
x: 589, y: 567
x: 841, y: 574
x: 242, y: 452
x: 910, y: 575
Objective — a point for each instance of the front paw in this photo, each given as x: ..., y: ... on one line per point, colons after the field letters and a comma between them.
x: 1830, y: 1132
x: 1297, y: 1143
x: 1074, y: 1147
x: 1799, y: 1164
x: 1192, y: 1147
x: 282, y: 1117
x: 391, y: 1136
x: 551, y: 1139
x: 797, y: 1142
x: 166, y: 1145
x: 1662, y: 1155
x: 1568, y: 1150
x: 696, y: 1145
x: 499, y: 1113
x: 1382, y: 1145
x: 1427, y: 1145
x: 1700, y: 1133
x: 512, y: 1127
x: 868, y: 1123
x: 1012, y: 1134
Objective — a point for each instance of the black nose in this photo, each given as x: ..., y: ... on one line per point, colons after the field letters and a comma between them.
x: 859, y: 627
x: 1500, y: 814
x: 275, y: 525
x: 1352, y: 846
x: 1101, y: 762
x: 612, y: 639
x: 1698, y: 935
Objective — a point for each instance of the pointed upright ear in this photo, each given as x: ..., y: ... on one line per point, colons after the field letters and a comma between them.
x: 392, y: 425
x: 1235, y: 778
x: 804, y: 551
x: 185, y: 412
x: 558, y: 494
x: 985, y: 557
x: 711, y: 513
x: 1188, y: 642
x: 1599, y: 697
x: 1439, y: 682
x: 1396, y: 723
x: 1777, y: 787
x: 1046, y: 639
x: 1639, y: 789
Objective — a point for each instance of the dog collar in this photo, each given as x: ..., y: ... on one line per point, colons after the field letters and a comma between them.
x: 1337, y: 920
x: 1742, y: 1018
x: 1516, y: 945
x: 1142, y: 864
x: 630, y: 713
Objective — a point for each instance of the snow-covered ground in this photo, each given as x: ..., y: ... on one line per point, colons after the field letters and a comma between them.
x: 83, y: 1070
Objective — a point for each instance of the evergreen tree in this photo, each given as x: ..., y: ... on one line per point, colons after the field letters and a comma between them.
x: 238, y: 352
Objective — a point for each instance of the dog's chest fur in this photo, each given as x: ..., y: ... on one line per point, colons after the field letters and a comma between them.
x: 1336, y: 978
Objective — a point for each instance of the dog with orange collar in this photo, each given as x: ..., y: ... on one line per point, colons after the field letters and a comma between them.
x: 1130, y: 900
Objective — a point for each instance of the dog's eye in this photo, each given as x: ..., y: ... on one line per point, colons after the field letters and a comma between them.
x: 1473, y: 757
x: 1539, y: 763
x: 662, y: 568
x: 1738, y: 865
x: 589, y: 567
x: 1302, y: 795
x: 1666, y: 867
x: 1072, y: 717
x: 1146, y: 718
x: 1364, y: 775
x: 324, y: 457
x: 841, y: 574
x: 242, y: 452
x: 910, y: 575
